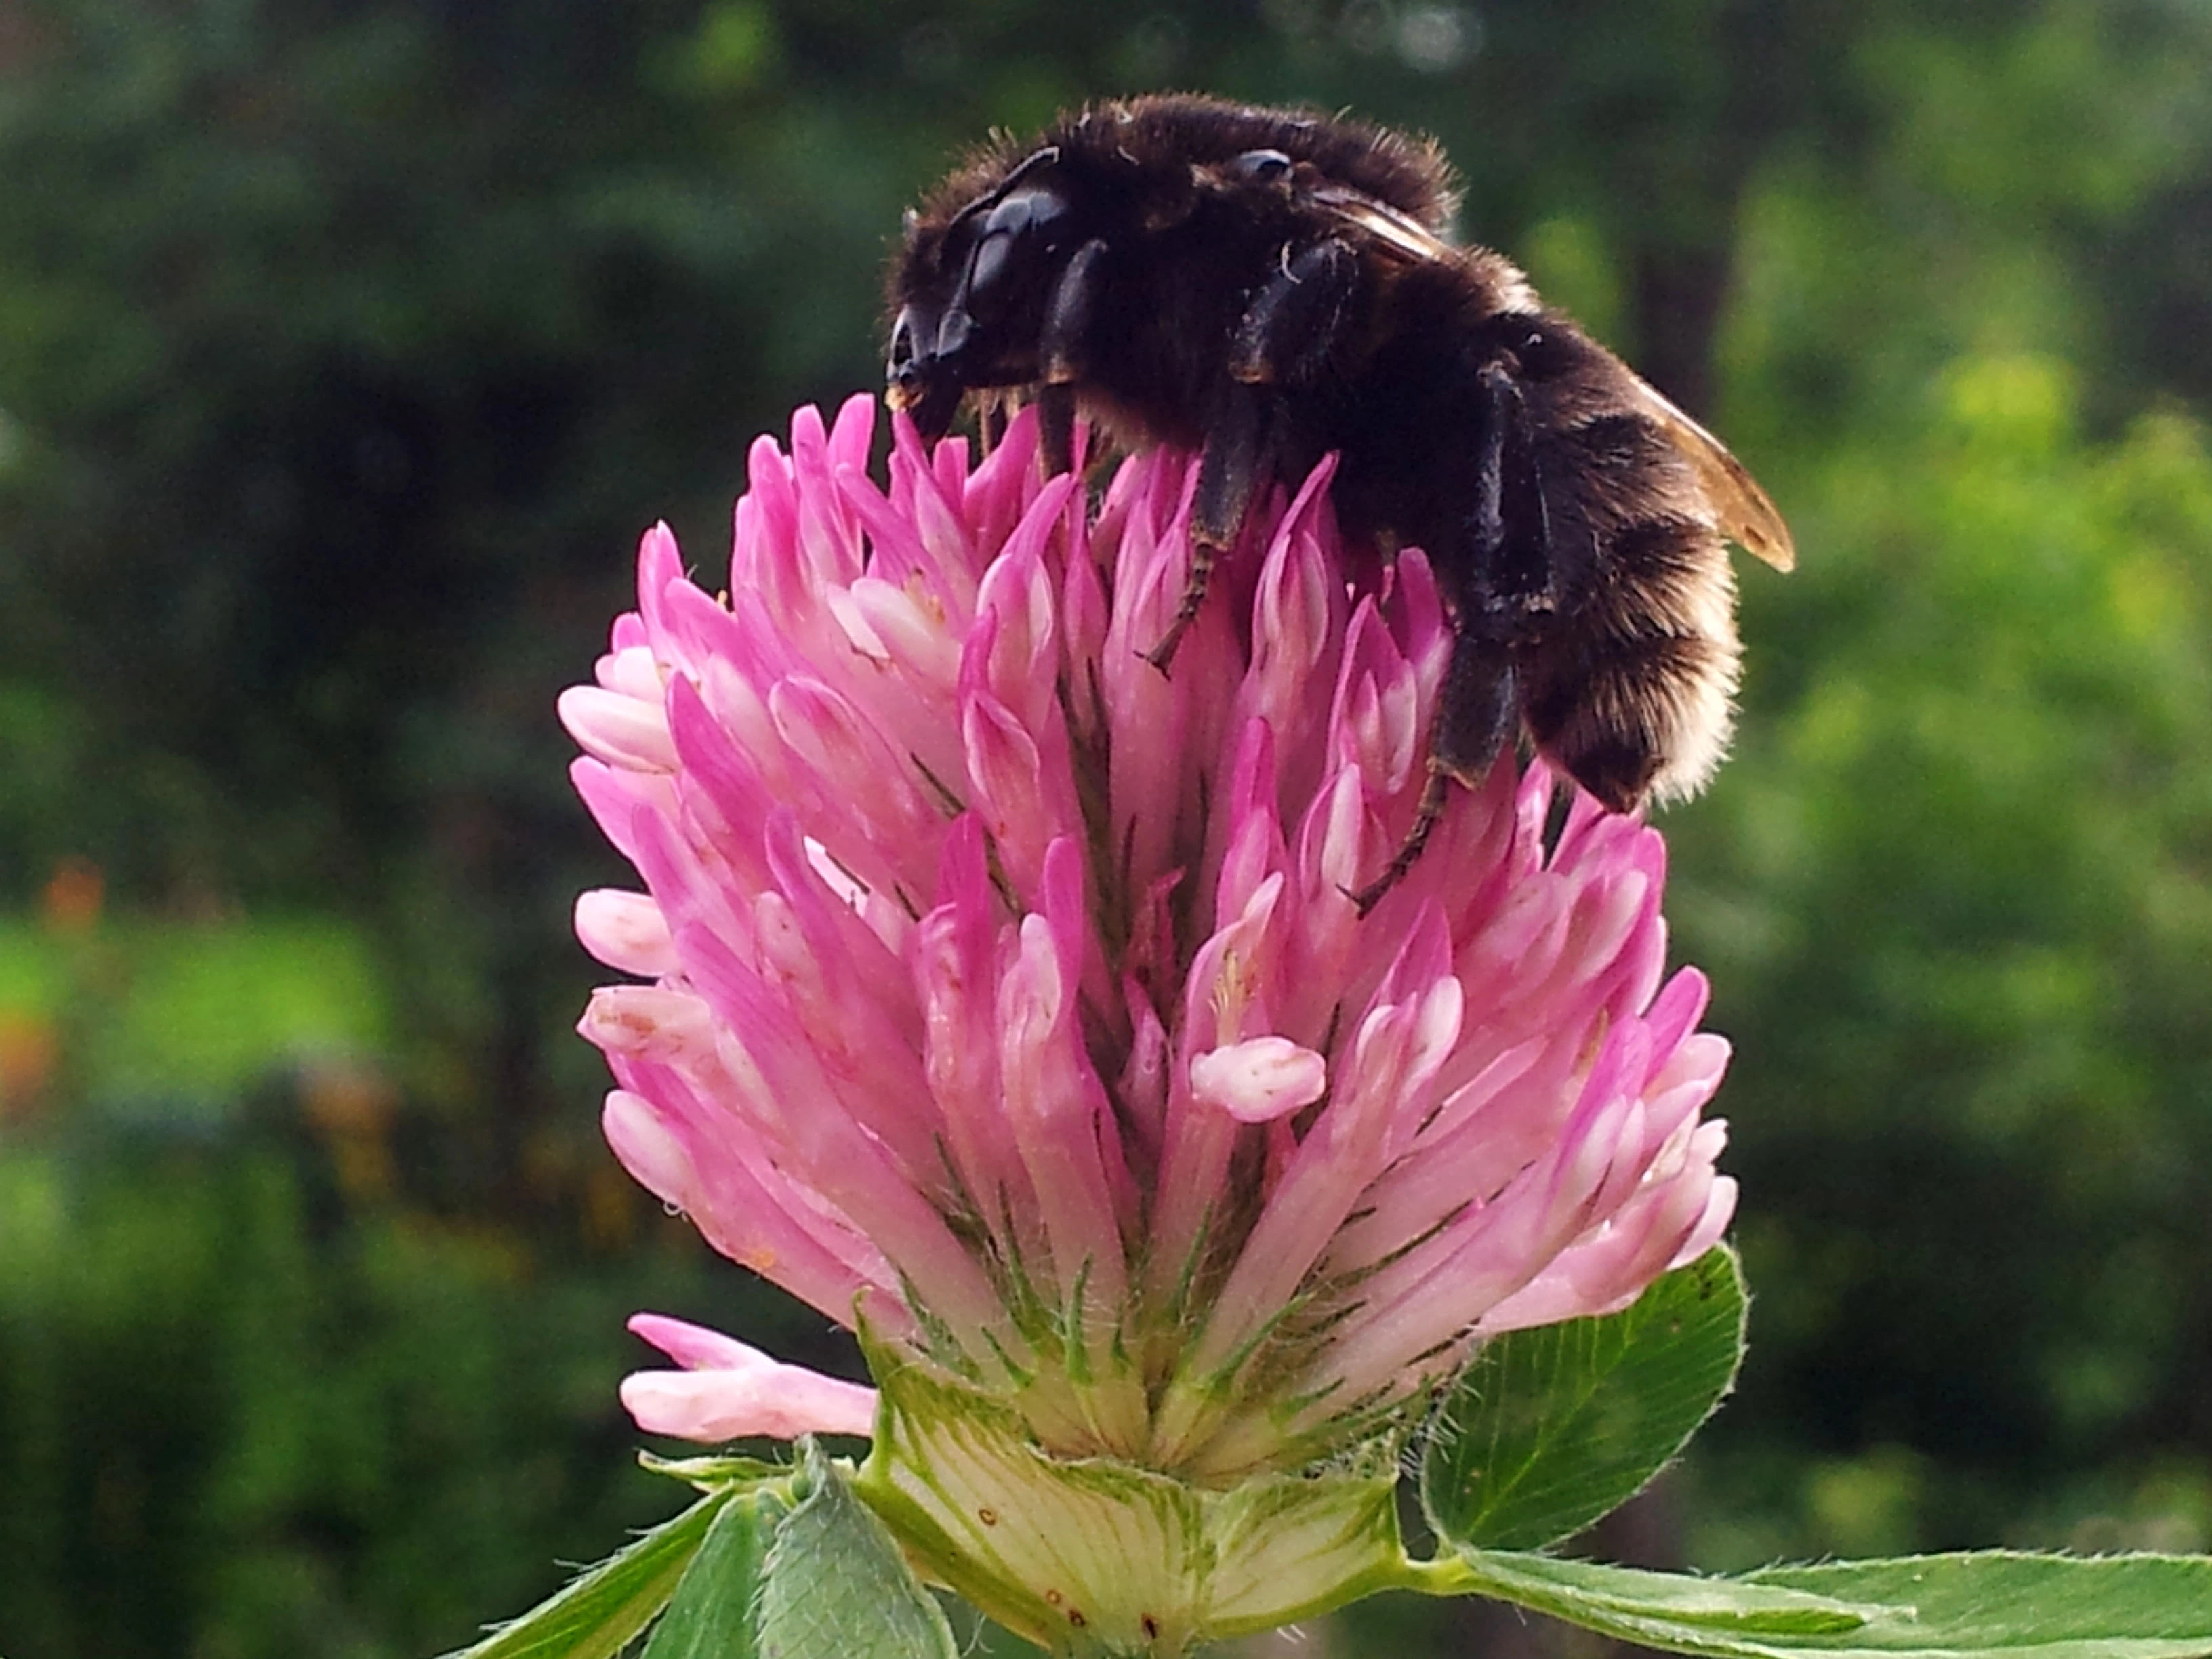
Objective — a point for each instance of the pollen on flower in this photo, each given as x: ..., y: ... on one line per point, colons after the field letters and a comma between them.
x: 1008, y: 999
x: 1231, y: 990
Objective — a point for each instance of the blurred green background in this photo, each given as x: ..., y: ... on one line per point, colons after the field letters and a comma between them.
x: 345, y: 346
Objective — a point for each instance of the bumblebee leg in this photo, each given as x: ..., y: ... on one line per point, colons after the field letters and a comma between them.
x: 1509, y: 530
x: 1500, y: 582
x: 1056, y: 406
x: 1476, y: 714
x: 1237, y: 447
x: 1063, y: 351
x: 991, y: 417
x: 1284, y: 339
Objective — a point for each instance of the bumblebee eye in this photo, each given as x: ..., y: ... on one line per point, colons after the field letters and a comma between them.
x: 1026, y: 223
x: 1261, y: 167
x: 1028, y: 213
x: 989, y: 266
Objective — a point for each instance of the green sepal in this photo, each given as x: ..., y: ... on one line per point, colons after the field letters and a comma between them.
x: 1935, y: 1607
x: 1549, y: 1429
x: 1098, y: 1556
x: 601, y: 1610
x: 711, y: 1474
x: 835, y: 1586
x: 711, y: 1615
x: 772, y: 1560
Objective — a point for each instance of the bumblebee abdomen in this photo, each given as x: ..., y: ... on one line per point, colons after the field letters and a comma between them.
x: 1632, y: 688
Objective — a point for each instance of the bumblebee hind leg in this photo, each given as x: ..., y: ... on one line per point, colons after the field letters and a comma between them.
x: 1478, y: 712
x: 1499, y: 576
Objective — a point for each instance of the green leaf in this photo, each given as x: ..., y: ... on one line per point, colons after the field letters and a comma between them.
x: 835, y: 1586
x: 2141, y: 1607
x: 598, y: 1612
x: 1549, y: 1429
x: 1937, y: 1607
x: 712, y: 1614
x: 1664, y: 1609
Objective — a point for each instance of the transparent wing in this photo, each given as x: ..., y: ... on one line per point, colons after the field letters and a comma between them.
x: 1744, y: 512
x: 1747, y: 515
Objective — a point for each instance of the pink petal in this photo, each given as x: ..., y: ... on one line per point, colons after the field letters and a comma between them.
x: 621, y: 730
x: 1260, y: 1079
x: 730, y: 1390
x: 625, y: 931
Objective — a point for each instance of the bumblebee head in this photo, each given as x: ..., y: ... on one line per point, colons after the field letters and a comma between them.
x: 922, y: 378
x: 975, y: 293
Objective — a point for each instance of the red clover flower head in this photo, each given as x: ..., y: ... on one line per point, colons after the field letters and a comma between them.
x: 1001, y: 995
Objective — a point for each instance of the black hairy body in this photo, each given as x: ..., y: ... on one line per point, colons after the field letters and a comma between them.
x: 1267, y: 286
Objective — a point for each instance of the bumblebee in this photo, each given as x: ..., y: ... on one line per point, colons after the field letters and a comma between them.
x: 1265, y: 287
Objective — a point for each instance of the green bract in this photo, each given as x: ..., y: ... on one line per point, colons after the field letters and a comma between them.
x: 1099, y: 1556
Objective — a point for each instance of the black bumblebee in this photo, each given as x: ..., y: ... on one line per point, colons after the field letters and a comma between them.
x: 1267, y: 286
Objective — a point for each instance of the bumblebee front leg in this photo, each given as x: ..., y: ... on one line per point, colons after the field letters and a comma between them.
x: 1283, y: 340
x: 1500, y: 582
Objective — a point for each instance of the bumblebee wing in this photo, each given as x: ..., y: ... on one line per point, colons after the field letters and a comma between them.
x: 1387, y: 231
x: 1383, y: 225
x: 1745, y: 514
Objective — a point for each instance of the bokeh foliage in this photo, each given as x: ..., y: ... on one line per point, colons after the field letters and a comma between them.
x: 346, y: 344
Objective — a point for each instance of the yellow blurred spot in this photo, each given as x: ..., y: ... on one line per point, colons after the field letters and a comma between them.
x: 610, y: 1207
x: 2148, y: 600
x: 2023, y: 401
x: 70, y: 902
x: 29, y: 1047
x: 1835, y: 724
x: 735, y: 49
x: 351, y: 1106
x: 1868, y: 1505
